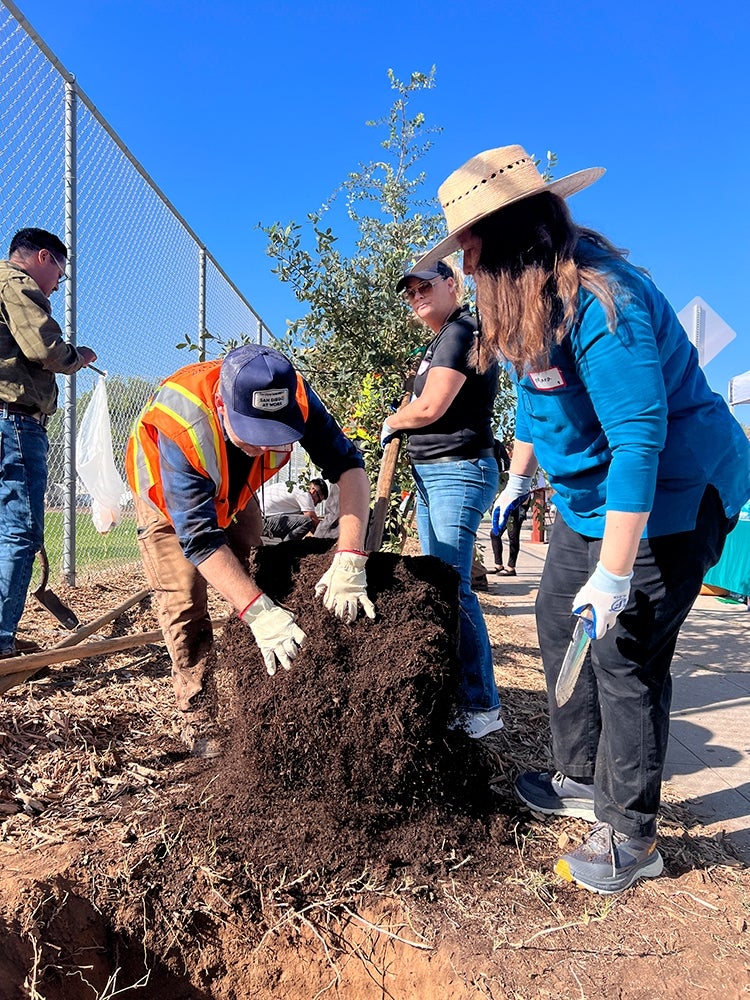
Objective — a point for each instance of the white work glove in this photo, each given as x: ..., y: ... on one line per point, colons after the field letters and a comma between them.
x: 601, y: 600
x: 387, y: 434
x: 277, y: 636
x: 516, y: 490
x: 344, y: 586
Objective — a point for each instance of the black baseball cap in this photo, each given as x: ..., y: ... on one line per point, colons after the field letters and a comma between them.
x: 438, y: 270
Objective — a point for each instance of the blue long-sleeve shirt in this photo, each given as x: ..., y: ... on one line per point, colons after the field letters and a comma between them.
x: 626, y: 421
x: 189, y: 496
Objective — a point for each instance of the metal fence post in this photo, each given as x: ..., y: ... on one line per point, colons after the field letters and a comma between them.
x: 135, y: 294
x: 202, y: 304
x: 69, y: 415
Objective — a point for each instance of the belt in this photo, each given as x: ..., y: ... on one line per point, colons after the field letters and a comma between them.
x: 484, y: 453
x: 6, y: 409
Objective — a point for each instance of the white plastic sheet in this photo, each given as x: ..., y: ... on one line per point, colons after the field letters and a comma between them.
x: 95, y: 461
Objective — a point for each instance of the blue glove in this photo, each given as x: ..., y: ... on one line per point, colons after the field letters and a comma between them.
x: 387, y: 434
x: 605, y: 595
x: 515, y: 493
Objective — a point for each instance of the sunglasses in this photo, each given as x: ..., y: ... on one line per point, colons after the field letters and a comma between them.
x: 423, y: 288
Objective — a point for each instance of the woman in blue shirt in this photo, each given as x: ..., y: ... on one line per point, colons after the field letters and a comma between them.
x: 649, y: 470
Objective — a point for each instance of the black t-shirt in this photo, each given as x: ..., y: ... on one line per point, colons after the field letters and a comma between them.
x: 465, y: 428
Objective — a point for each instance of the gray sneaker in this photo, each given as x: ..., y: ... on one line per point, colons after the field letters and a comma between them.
x: 556, y: 794
x: 478, y: 724
x: 608, y: 861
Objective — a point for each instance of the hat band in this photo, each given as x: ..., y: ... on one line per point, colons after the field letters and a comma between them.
x: 501, y: 187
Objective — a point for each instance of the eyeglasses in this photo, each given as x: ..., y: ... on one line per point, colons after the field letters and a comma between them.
x: 60, y: 267
x: 423, y: 288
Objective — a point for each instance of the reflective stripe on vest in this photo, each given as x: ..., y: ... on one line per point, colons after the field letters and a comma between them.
x: 182, y: 409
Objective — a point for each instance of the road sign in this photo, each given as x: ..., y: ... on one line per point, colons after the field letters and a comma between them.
x: 706, y: 329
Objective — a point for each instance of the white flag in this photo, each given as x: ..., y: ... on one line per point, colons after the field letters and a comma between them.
x: 707, y: 330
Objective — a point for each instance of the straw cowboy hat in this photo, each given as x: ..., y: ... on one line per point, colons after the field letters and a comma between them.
x: 489, y: 182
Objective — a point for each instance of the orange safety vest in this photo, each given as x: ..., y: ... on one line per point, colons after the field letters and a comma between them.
x: 183, y: 409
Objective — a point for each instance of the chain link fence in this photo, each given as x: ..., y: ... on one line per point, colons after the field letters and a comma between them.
x: 139, y: 279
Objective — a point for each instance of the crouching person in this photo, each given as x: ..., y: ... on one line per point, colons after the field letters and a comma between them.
x: 206, y: 441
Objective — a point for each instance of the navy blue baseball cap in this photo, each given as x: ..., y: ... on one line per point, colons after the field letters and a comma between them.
x: 437, y: 270
x: 259, y: 388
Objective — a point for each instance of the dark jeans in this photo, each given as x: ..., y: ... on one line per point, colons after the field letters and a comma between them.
x: 615, y: 727
x: 287, y: 527
x: 513, y: 531
x: 23, y: 482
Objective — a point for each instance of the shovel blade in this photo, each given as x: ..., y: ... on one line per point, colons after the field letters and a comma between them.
x: 51, y: 601
x: 55, y: 606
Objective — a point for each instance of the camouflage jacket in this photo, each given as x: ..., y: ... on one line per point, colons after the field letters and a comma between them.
x: 32, y: 349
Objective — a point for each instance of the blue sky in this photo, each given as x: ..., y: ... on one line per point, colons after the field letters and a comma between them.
x: 246, y: 112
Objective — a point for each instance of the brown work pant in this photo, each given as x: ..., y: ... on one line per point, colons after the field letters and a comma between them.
x: 182, y: 594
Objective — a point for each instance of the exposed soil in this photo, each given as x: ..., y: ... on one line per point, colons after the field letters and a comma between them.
x: 345, y: 844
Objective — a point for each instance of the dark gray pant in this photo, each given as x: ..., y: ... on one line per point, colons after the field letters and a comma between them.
x: 287, y: 527
x: 615, y: 727
x: 513, y: 531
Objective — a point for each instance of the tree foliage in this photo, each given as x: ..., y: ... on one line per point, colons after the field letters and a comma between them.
x: 356, y: 341
x: 355, y: 326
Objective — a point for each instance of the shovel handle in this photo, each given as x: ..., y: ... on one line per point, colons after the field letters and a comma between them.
x: 31, y: 662
x: 387, y: 471
x: 86, y: 630
x: 46, y: 657
x: 44, y: 563
x: 386, y: 474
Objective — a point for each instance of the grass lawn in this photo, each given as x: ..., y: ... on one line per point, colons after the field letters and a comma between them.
x: 93, y: 552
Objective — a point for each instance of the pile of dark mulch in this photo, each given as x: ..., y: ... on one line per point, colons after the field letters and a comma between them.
x: 346, y: 762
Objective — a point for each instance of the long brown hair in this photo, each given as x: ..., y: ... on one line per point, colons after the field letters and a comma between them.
x: 533, y: 261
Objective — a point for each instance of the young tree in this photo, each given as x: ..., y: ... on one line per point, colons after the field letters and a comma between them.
x: 357, y: 341
x: 355, y: 326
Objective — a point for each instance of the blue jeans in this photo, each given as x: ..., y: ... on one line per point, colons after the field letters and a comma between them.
x: 23, y: 483
x: 452, y: 498
x: 615, y: 727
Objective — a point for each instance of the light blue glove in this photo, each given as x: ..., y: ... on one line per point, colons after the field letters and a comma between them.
x: 605, y: 595
x: 516, y: 490
x: 387, y: 434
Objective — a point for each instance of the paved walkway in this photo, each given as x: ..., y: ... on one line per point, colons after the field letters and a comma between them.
x: 708, y: 761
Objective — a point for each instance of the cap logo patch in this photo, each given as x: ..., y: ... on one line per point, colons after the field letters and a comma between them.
x: 270, y: 400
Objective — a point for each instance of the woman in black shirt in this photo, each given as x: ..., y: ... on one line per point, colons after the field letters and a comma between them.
x: 450, y: 444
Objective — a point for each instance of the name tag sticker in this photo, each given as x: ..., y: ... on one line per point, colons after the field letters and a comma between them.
x: 551, y: 379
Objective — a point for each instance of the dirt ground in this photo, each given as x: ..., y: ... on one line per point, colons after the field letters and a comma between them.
x: 345, y: 844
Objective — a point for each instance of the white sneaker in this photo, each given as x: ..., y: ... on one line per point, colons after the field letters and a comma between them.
x: 478, y: 724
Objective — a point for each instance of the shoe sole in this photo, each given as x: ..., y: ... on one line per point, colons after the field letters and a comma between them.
x: 578, y: 808
x: 652, y: 869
